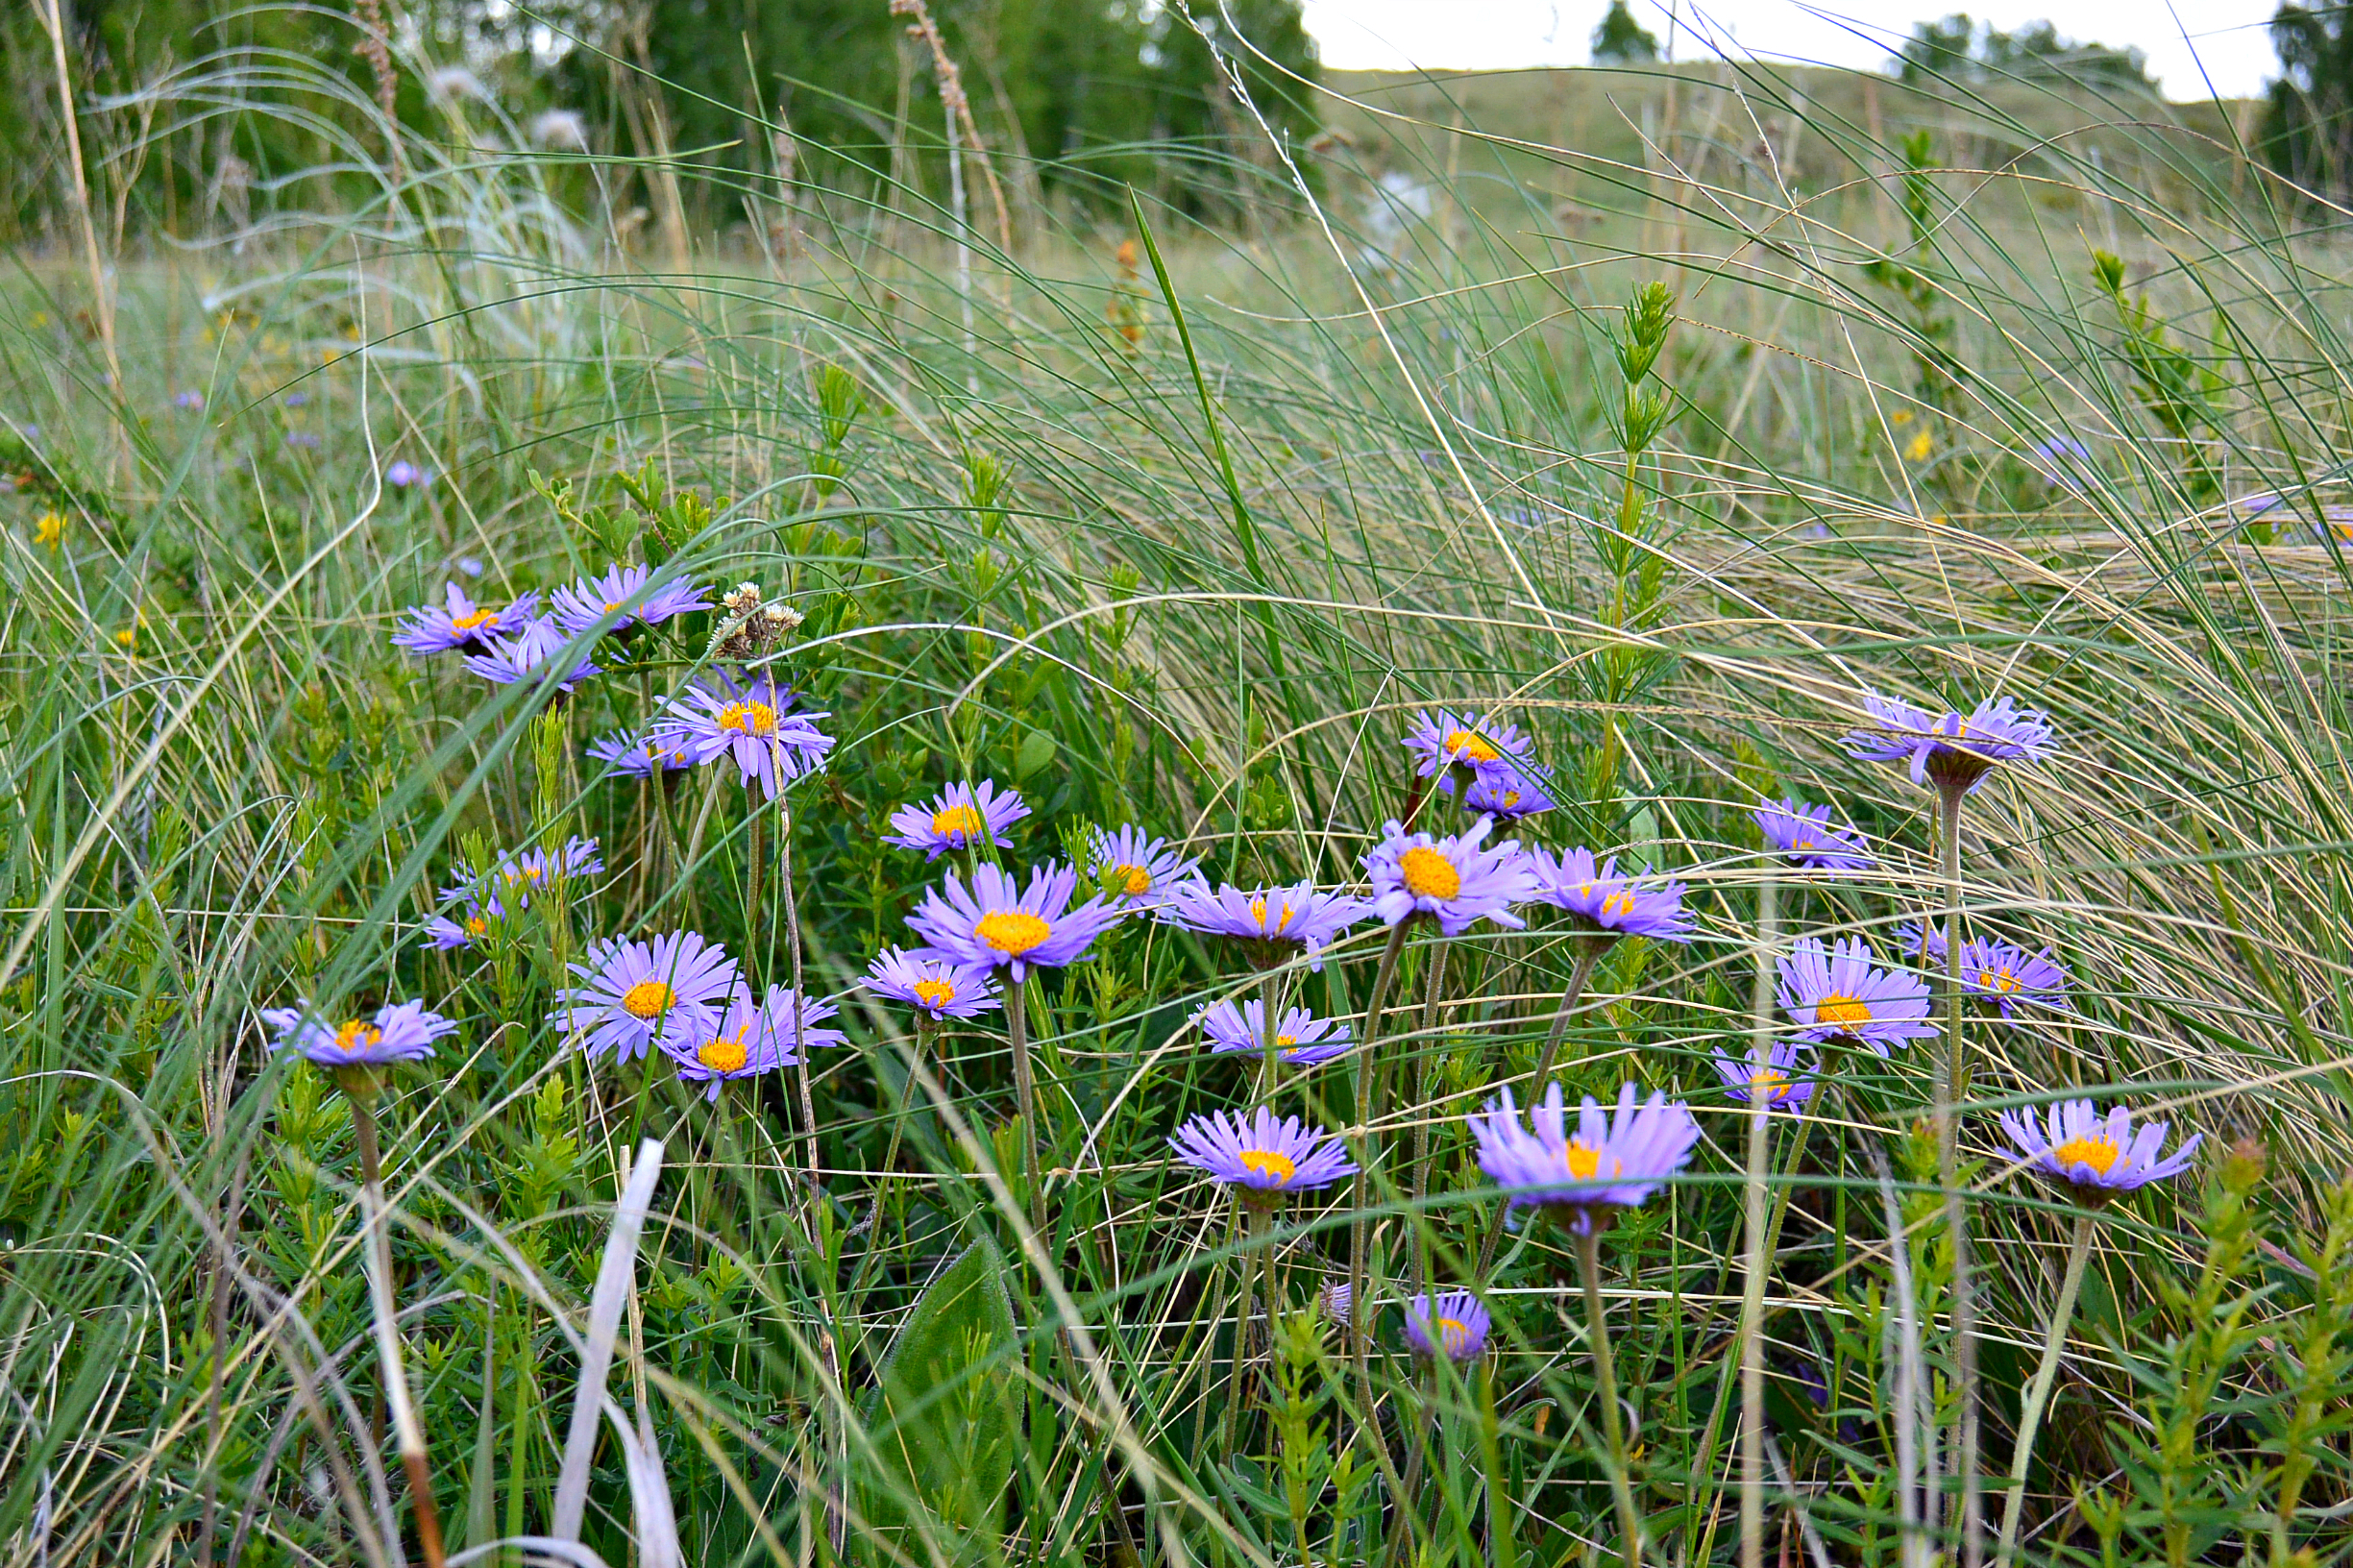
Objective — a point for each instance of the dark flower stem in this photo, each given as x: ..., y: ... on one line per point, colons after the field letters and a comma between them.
x: 408, y: 1432
x: 1953, y: 1086
x: 1589, y: 952
x: 1606, y: 1391
x: 1269, y: 1050
x: 2038, y: 1393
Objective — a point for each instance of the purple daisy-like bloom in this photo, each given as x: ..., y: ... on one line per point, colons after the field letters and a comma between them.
x: 1455, y: 1325
x: 2098, y: 1155
x: 1838, y: 992
x: 2064, y: 463
x: 404, y: 1032
x: 446, y: 935
x: 1453, y: 880
x: 1300, y: 1037
x: 1509, y: 792
x: 588, y: 602
x: 1262, y: 1159
x: 516, y: 877
x: 1334, y: 1299
x: 751, y: 1037
x: 671, y: 987
x: 1460, y: 739
x: 1772, y: 1074
x: 1607, y: 903
x: 960, y: 817
x: 933, y: 986
x: 523, y: 657
x: 753, y: 725
x: 2006, y: 975
x: 1138, y: 871
x: 405, y: 474
x: 1922, y: 943
x: 1609, y: 1163
x: 660, y: 751
x: 997, y: 922
x: 1947, y: 747
x: 187, y: 399
x: 1272, y: 920
x: 459, y: 621
x: 1804, y: 835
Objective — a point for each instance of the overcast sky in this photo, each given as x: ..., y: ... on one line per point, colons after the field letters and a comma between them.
x: 2228, y: 41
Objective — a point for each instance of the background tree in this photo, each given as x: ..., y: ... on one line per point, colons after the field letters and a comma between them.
x: 1621, y: 41
x: 2308, y: 124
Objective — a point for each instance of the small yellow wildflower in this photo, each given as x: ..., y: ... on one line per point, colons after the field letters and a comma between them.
x: 49, y: 528
x: 1901, y: 416
x: 1921, y: 444
x: 129, y: 637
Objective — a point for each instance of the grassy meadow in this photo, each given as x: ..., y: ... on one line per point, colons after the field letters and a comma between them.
x: 1181, y: 524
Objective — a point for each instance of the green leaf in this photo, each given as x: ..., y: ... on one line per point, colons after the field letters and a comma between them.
x: 944, y: 1427
x: 1036, y: 749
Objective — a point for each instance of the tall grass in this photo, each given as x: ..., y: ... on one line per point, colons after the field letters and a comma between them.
x: 1188, y: 548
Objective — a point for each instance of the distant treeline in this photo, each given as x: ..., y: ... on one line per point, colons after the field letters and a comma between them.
x: 200, y: 112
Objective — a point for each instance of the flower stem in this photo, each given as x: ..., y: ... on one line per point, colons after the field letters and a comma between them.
x: 1502, y: 1543
x: 1951, y: 1087
x: 1754, y: 1260
x: 1417, y: 1174
x: 1360, y: 1318
x: 1025, y: 1097
x: 408, y: 1432
x: 2038, y: 1393
x: 1588, y: 954
x: 800, y: 1045
x: 1269, y: 1049
x: 1605, y: 1389
x: 1237, y: 1391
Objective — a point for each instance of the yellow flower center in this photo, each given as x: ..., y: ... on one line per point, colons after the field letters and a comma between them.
x: 50, y: 529
x: 1133, y: 880
x: 467, y: 623
x: 934, y: 992
x: 965, y: 820
x: 1287, y: 1041
x: 752, y: 718
x: 2097, y: 1152
x: 2000, y: 980
x: 1769, y: 1083
x: 1844, y: 1010
x: 1267, y: 1163
x: 359, y: 1034
x: 1469, y: 745
x: 1257, y: 913
x: 1012, y: 932
x: 1618, y: 905
x: 1453, y: 1334
x: 1583, y: 1162
x: 1429, y: 874
x: 476, y: 926
x: 647, y: 999
x: 1511, y: 798
x: 610, y: 607
x: 726, y: 1055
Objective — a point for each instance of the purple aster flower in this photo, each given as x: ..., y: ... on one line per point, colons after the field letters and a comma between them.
x: 1300, y: 1037
x: 404, y: 1032
x: 1334, y: 1299
x: 1508, y: 791
x: 1604, y: 902
x: 1773, y: 1074
x: 997, y: 922
x: 1139, y: 873
x: 588, y: 602
x: 405, y: 474
x: 1838, y: 994
x: 1453, y: 880
x: 187, y: 399
x: 932, y: 986
x: 470, y: 566
x: 2096, y: 1156
x: 304, y: 440
x: 446, y: 935
x: 1803, y: 833
x: 1609, y: 1163
x: 2063, y: 462
x: 1271, y: 921
x: 638, y: 991
x: 750, y: 1038
x: 520, y: 659
x: 515, y: 877
x: 2009, y: 978
x: 1921, y: 941
x: 755, y: 728
x: 1454, y: 1325
x: 459, y: 621
x: 1455, y: 740
x: 959, y: 816
x: 1948, y: 749
x: 660, y: 751
x: 1262, y: 1158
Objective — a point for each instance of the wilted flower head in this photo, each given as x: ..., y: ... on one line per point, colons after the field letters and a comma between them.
x: 2007, y: 976
x: 1607, y: 1165
x: 1771, y: 1075
x: 751, y: 1037
x: 2099, y: 1157
x: 1803, y: 833
x: 559, y: 128
x: 660, y: 751
x: 1455, y: 1325
x: 1948, y: 749
x: 755, y: 727
x: 1272, y: 923
x: 1334, y: 1299
x: 959, y: 816
x: 936, y: 987
x: 589, y: 602
x: 1605, y: 903
x: 1838, y: 994
x: 637, y: 991
x: 1138, y: 872
x: 523, y: 659
x: 404, y: 1032
x: 1509, y: 792
x: 459, y: 621
x: 457, y: 81
x: 1454, y: 739
x: 1453, y: 880
x: 1262, y: 1158
x: 1300, y: 1037
x: 999, y: 923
